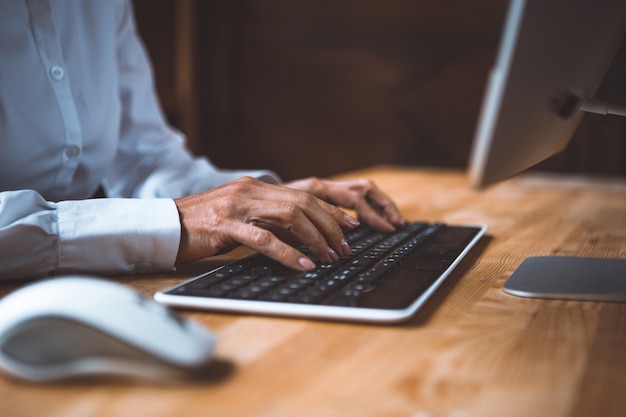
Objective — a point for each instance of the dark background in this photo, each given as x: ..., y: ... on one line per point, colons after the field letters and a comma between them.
x: 319, y: 87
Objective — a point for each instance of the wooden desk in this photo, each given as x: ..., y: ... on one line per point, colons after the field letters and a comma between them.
x: 472, y: 351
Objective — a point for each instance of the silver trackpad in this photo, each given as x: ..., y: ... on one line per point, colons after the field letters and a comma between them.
x: 571, y: 278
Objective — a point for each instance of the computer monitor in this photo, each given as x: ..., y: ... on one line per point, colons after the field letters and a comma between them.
x: 552, y: 58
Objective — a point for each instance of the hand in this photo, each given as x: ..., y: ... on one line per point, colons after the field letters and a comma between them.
x: 263, y: 217
x: 362, y: 195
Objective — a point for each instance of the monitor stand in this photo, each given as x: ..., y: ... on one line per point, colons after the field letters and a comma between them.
x: 570, y: 278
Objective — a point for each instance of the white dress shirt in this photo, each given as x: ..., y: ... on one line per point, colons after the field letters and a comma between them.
x: 78, y: 110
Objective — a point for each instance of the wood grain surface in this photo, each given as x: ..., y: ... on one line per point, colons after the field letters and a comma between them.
x: 473, y: 350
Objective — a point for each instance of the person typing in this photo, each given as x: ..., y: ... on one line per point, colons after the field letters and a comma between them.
x: 78, y: 111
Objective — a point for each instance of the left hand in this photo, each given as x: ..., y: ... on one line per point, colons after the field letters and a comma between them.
x: 361, y: 195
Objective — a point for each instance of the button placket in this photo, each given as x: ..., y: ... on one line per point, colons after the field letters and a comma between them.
x: 72, y: 151
x: 57, y: 72
x: 50, y: 50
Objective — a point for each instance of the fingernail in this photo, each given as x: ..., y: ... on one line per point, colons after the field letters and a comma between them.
x: 351, y: 220
x: 347, y: 250
x: 333, y: 255
x: 306, y: 263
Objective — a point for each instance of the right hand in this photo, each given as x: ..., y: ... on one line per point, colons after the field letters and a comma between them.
x: 263, y: 217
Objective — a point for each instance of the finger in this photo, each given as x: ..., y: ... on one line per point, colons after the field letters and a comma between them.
x: 305, y: 198
x: 343, y: 219
x: 311, y: 220
x: 373, y: 217
x: 266, y: 243
x: 314, y: 223
x: 329, y: 220
x: 385, y: 206
x: 300, y: 232
x: 295, y: 218
x: 371, y: 204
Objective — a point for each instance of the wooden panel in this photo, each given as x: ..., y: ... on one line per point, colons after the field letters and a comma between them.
x: 168, y: 30
x: 318, y: 87
x: 324, y: 86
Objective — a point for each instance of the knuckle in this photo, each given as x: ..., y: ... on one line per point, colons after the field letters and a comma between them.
x: 290, y: 211
x: 305, y: 199
x: 242, y: 184
x: 260, y: 237
x: 366, y: 184
x: 353, y: 197
x: 315, y: 183
x: 236, y: 187
x: 246, y: 180
x: 228, y: 201
x: 286, y: 252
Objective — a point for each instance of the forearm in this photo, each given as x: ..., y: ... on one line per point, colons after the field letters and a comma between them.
x: 93, y: 236
x: 169, y: 170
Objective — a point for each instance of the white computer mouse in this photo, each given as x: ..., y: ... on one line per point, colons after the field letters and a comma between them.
x: 82, y: 326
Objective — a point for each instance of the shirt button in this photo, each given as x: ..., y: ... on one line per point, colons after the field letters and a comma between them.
x: 72, y: 151
x: 57, y: 72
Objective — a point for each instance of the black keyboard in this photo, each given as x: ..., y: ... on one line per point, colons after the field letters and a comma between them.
x: 387, y: 278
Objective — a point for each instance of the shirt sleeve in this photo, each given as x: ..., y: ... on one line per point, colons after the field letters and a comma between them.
x: 136, y: 229
x: 152, y: 160
x: 38, y: 237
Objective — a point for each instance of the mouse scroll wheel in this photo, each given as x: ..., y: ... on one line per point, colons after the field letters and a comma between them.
x: 160, y: 310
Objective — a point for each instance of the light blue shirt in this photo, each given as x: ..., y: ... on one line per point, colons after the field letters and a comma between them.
x: 78, y: 110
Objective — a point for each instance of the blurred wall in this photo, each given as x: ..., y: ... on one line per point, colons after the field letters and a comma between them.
x: 318, y: 87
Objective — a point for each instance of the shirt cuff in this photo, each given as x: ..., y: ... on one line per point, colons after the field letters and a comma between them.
x: 114, y: 235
